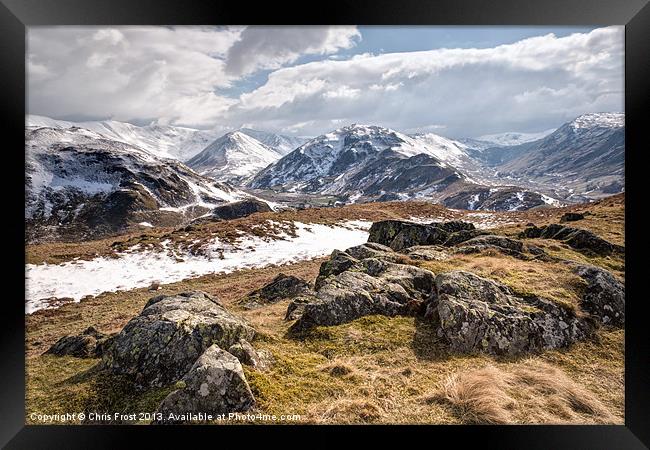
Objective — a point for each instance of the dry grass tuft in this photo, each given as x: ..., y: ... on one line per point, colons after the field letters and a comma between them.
x: 534, y: 392
x: 345, y: 411
x: 339, y: 369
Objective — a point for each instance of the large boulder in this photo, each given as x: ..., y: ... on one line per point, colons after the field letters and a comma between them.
x: 373, y: 250
x: 236, y: 210
x: 457, y: 237
x: 419, y: 235
x: 283, y: 286
x: 426, y: 253
x: 571, y: 217
x: 158, y: 346
x: 247, y: 355
x: 297, y: 307
x: 454, y: 226
x: 604, y: 296
x: 214, y: 384
x: 474, y: 314
x: 90, y: 343
x: 502, y: 244
x: 579, y: 239
x: 374, y: 286
x: 338, y: 263
x: 399, y: 235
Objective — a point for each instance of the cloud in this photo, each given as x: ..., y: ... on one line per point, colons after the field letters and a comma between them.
x: 176, y: 75
x: 128, y: 73
x: 264, y: 47
x: 534, y: 84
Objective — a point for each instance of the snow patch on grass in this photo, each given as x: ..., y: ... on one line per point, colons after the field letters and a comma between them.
x: 135, y: 269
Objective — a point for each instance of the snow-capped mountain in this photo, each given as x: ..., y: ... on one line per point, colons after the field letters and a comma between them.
x: 281, y: 143
x: 164, y: 141
x: 584, y: 157
x: 512, y: 138
x: 233, y: 157
x: 326, y: 162
x: 79, y: 183
x: 369, y: 163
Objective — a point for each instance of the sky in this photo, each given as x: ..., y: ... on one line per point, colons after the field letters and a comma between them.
x: 456, y: 81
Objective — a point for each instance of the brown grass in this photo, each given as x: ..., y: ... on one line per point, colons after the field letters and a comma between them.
x: 551, y: 280
x: 373, y: 370
x: 532, y: 392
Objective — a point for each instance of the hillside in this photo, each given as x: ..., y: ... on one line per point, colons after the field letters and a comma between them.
x: 82, y: 185
x: 375, y: 368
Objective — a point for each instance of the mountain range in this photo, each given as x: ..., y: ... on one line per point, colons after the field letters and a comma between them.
x: 81, y: 184
x: 79, y: 174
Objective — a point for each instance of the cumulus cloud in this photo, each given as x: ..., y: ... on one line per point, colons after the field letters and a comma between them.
x: 263, y: 47
x: 531, y: 85
x: 172, y: 75
x: 129, y: 73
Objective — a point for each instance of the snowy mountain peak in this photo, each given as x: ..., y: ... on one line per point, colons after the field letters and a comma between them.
x: 234, y: 156
x: 279, y: 142
x: 162, y: 140
x: 599, y: 120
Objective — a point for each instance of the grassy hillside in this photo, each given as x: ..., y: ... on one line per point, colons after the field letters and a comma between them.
x: 375, y: 369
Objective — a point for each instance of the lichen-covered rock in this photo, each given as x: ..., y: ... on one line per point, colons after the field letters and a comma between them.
x: 374, y: 287
x: 297, y: 307
x: 158, y: 346
x: 238, y: 209
x: 215, y: 384
x: 338, y: 262
x: 426, y: 253
x: 571, y: 217
x: 496, y: 241
x: 604, y: 296
x: 501, y: 244
x: 384, y: 231
x: 247, y: 355
x: 373, y: 250
x: 90, y: 343
x: 454, y: 226
x: 399, y: 235
x: 283, y: 286
x: 474, y: 314
x: 417, y: 234
x: 457, y: 237
x: 576, y: 238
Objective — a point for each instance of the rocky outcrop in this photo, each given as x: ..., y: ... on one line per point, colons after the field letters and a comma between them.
x: 604, y: 296
x: 571, y: 217
x: 576, y: 238
x: 426, y: 253
x: 474, y: 314
x: 369, y: 286
x: 399, y: 235
x: 237, y: 210
x: 90, y: 343
x: 247, y: 355
x: 338, y: 263
x: 297, y: 307
x: 463, y: 235
x: 283, y: 286
x: 502, y: 244
x: 214, y: 384
x: 158, y: 346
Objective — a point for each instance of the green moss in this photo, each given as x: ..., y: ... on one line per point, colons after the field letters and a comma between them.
x: 68, y: 384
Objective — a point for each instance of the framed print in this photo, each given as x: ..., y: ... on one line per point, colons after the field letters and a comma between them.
x: 374, y: 217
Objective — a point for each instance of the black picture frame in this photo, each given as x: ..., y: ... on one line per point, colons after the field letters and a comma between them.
x: 16, y: 15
